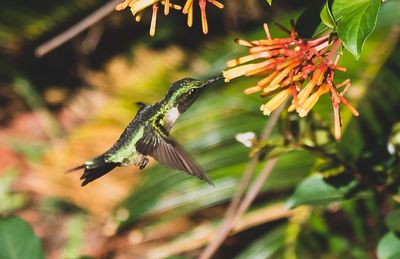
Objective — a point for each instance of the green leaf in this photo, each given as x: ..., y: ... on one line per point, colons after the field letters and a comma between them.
x: 17, y: 240
x: 389, y: 247
x: 326, y: 16
x: 269, y: 2
x: 265, y: 247
x: 392, y: 220
x: 355, y: 21
x: 314, y: 190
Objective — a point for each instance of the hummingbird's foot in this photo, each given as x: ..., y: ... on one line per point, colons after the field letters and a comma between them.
x: 141, y: 161
x: 144, y: 162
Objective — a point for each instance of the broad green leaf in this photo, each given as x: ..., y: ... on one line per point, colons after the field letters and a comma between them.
x: 269, y: 2
x: 392, y: 220
x: 314, y: 190
x: 355, y: 20
x: 389, y: 247
x: 326, y: 16
x: 17, y: 240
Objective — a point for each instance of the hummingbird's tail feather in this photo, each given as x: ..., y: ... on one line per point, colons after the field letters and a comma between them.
x: 94, y: 169
x: 75, y: 168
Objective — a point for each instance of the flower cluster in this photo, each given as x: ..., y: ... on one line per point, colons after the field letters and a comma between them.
x: 138, y: 7
x: 301, y: 69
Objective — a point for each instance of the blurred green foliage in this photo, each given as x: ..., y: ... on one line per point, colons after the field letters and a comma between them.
x: 17, y: 240
x: 9, y: 200
x: 346, y: 193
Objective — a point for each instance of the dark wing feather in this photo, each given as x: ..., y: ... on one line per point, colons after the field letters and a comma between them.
x: 169, y: 153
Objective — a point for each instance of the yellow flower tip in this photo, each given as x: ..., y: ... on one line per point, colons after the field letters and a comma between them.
x: 345, y: 83
x: 166, y: 7
x: 188, y: 5
x: 138, y: 16
x: 184, y: 11
x: 237, y: 71
x: 204, y: 24
x: 267, y: 32
x: 291, y: 108
x: 305, y: 92
x: 216, y: 3
x: 265, y: 109
x: 176, y: 7
x: 275, y: 101
x: 303, y: 112
x: 153, y: 21
x: 252, y: 90
x: 232, y: 63
x: 123, y: 5
x: 226, y: 79
x: 353, y: 110
x: 190, y: 17
x: 141, y: 5
x: 304, y: 109
x: 244, y: 43
x: 345, y: 102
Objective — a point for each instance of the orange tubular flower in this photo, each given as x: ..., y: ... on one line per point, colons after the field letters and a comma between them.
x: 188, y: 9
x: 138, y: 6
x: 302, y: 69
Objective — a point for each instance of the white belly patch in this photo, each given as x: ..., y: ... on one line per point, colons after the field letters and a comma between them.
x: 172, y: 115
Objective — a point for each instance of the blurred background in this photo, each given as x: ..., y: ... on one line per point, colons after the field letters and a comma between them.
x: 72, y: 103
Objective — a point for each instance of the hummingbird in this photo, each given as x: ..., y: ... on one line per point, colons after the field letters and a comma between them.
x: 148, y: 135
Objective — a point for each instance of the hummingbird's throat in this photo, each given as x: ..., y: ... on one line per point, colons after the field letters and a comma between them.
x: 172, y: 115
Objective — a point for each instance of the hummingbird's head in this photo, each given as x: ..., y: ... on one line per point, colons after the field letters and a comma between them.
x: 184, y: 92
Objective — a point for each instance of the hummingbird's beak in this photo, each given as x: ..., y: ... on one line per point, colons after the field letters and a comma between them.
x: 213, y: 79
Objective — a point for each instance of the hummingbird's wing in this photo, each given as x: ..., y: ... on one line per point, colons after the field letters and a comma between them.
x: 166, y: 151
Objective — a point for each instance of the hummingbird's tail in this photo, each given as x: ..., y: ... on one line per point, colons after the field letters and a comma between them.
x: 94, y: 169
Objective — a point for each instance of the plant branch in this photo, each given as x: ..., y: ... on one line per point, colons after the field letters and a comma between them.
x: 232, y: 211
x: 244, y: 205
x: 76, y: 29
